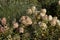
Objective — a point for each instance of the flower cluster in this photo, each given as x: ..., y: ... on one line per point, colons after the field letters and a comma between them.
x: 44, y: 17
x: 26, y: 25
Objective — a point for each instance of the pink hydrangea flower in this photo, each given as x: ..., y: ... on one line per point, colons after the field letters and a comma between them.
x: 3, y: 21
x: 26, y: 20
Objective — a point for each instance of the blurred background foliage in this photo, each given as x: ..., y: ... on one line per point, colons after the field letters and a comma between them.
x: 16, y: 8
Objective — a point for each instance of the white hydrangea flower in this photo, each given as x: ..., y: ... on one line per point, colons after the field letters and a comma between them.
x: 55, y: 18
x: 45, y: 18
x: 59, y: 2
x: 42, y: 14
x: 33, y: 8
x: 15, y: 25
x: 43, y: 11
x: 58, y: 22
x: 39, y: 23
x: 26, y: 20
x: 43, y: 26
x: 50, y: 18
x: 21, y: 30
x: 29, y: 11
x: 53, y: 21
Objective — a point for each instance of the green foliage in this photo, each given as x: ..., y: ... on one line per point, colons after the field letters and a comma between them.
x: 16, y: 8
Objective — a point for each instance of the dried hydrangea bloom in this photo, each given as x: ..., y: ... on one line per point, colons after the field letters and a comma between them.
x: 42, y: 14
x: 3, y: 21
x: 53, y: 21
x: 33, y: 8
x: 15, y: 25
x: 2, y: 30
x: 21, y: 30
x: 59, y: 2
x: 43, y: 25
x: 58, y: 22
x: 29, y: 11
x: 43, y: 11
x: 26, y: 20
x: 45, y: 18
x: 50, y: 18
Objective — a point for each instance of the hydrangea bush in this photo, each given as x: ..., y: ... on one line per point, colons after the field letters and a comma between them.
x: 29, y: 20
